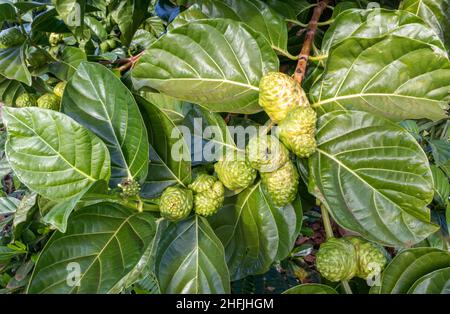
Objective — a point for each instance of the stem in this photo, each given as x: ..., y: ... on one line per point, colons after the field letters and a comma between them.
x: 326, y: 222
x: 267, y: 128
x: 318, y: 57
x: 297, y: 23
x: 346, y: 287
x: 284, y: 53
x: 309, y: 39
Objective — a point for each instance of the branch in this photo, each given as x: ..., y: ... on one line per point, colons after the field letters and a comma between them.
x: 300, y: 70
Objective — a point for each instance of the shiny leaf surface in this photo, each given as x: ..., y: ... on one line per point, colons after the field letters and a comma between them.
x: 215, y: 63
x: 52, y: 154
x: 374, y: 178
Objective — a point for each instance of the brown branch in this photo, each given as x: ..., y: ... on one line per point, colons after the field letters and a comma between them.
x: 300, y: 70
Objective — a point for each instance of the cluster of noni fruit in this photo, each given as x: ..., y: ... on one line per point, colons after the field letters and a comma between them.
x: 344, y: 258
x: 286, y: 104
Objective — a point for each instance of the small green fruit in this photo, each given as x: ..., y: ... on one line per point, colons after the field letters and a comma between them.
x: 37, y: 57
x: 336, y: 260
x: 58, y: 90
x: 55, y: 38
x: 281, y: 184
x: 176, y: 203
x: 297, y: 131
x: 49, y: 101
x: 371, y: 258
x: 26, y: 100
x: 209, y: 195
x: 279, y: 94
x: 11, y: 37
x: 266, y: 153
x: 129, y: 188
x: 235, y: 172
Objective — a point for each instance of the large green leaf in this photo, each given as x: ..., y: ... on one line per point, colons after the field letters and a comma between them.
x: 358, y: 23
x: 374, y: 178
x: 9, y: 90
x: 13, y: 66
x: 105, y: 241
x: 411, y: 269
x: 434, y: 12
x: 254, y: 232
x: 72, y: 13
x: 397, y: 77
x: 191, y: 259
x: 289, y: 8
x: 441, y: 185
x: 215, y: 63
x: 68, y: 63
x: 258, y: 15
x: 52, y: 154
x: 102, y: 103
x: 437, y: 282
x: 311, y: 288
x: 169, y: 165
x: 129, y: 15
x: 7, y: 12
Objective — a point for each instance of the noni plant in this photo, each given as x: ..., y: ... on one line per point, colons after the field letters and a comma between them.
x: 224, y: 146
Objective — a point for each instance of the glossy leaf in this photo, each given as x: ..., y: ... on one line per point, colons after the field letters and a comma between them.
x: 68, y: 63
x: 396, y: 77
x: 358, y: 23
x: 254, y: 232
x: 9, y: 90
x: 433, y: 12
x: 374, y: 178
x: 24, y: 208
x: 289, y: 8
x: 129, y: 15
x: 437, y: 282
x: 101, y: 102
x: 258, y: 15
x: 169, y: 153
x: 311, y: 288
x: 7, y: 12
x: 412, y: 266
x: 105, y: 241
x: 215, y: 63
x: 49, y: 21
x: 441, y: 185
x: 8, y: 205
x: 13, y: 66
x: 52, y: 154
x: 191, y: 259
x: 71, y: 12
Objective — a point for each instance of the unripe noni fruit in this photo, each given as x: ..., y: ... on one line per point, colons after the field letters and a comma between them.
x: 11, y: 37
x: 266, y: 153
x: 234, y: 171
x: 49, y: 101
x: 371, y: 258
x: 129, y: 187
x: 279, y: 94
x: 55, y: 38
x: 26, y: 100
x: 176, y: 203
x: 37, y: 57
x: 297, y: 131
x: 281, y: 184
x: 336, y: 260
x: 58, y: 90
x: 209, y: 195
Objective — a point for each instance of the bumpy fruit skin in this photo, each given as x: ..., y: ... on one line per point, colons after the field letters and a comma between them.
x: 297, y: 131
x: 281, y: 184
x: 370, y: 258
x: 129, y: 188
x: 336, y: 260
x: 54, y: 39
x: 26, y: 100
x: 266, y: 153
x: 209, y: 195
x: 49, y: 101
x: 279, y: 94
x: 235, y: 172
x: 176, y: 203
x: 58, y: 90
x: 11, y: 37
